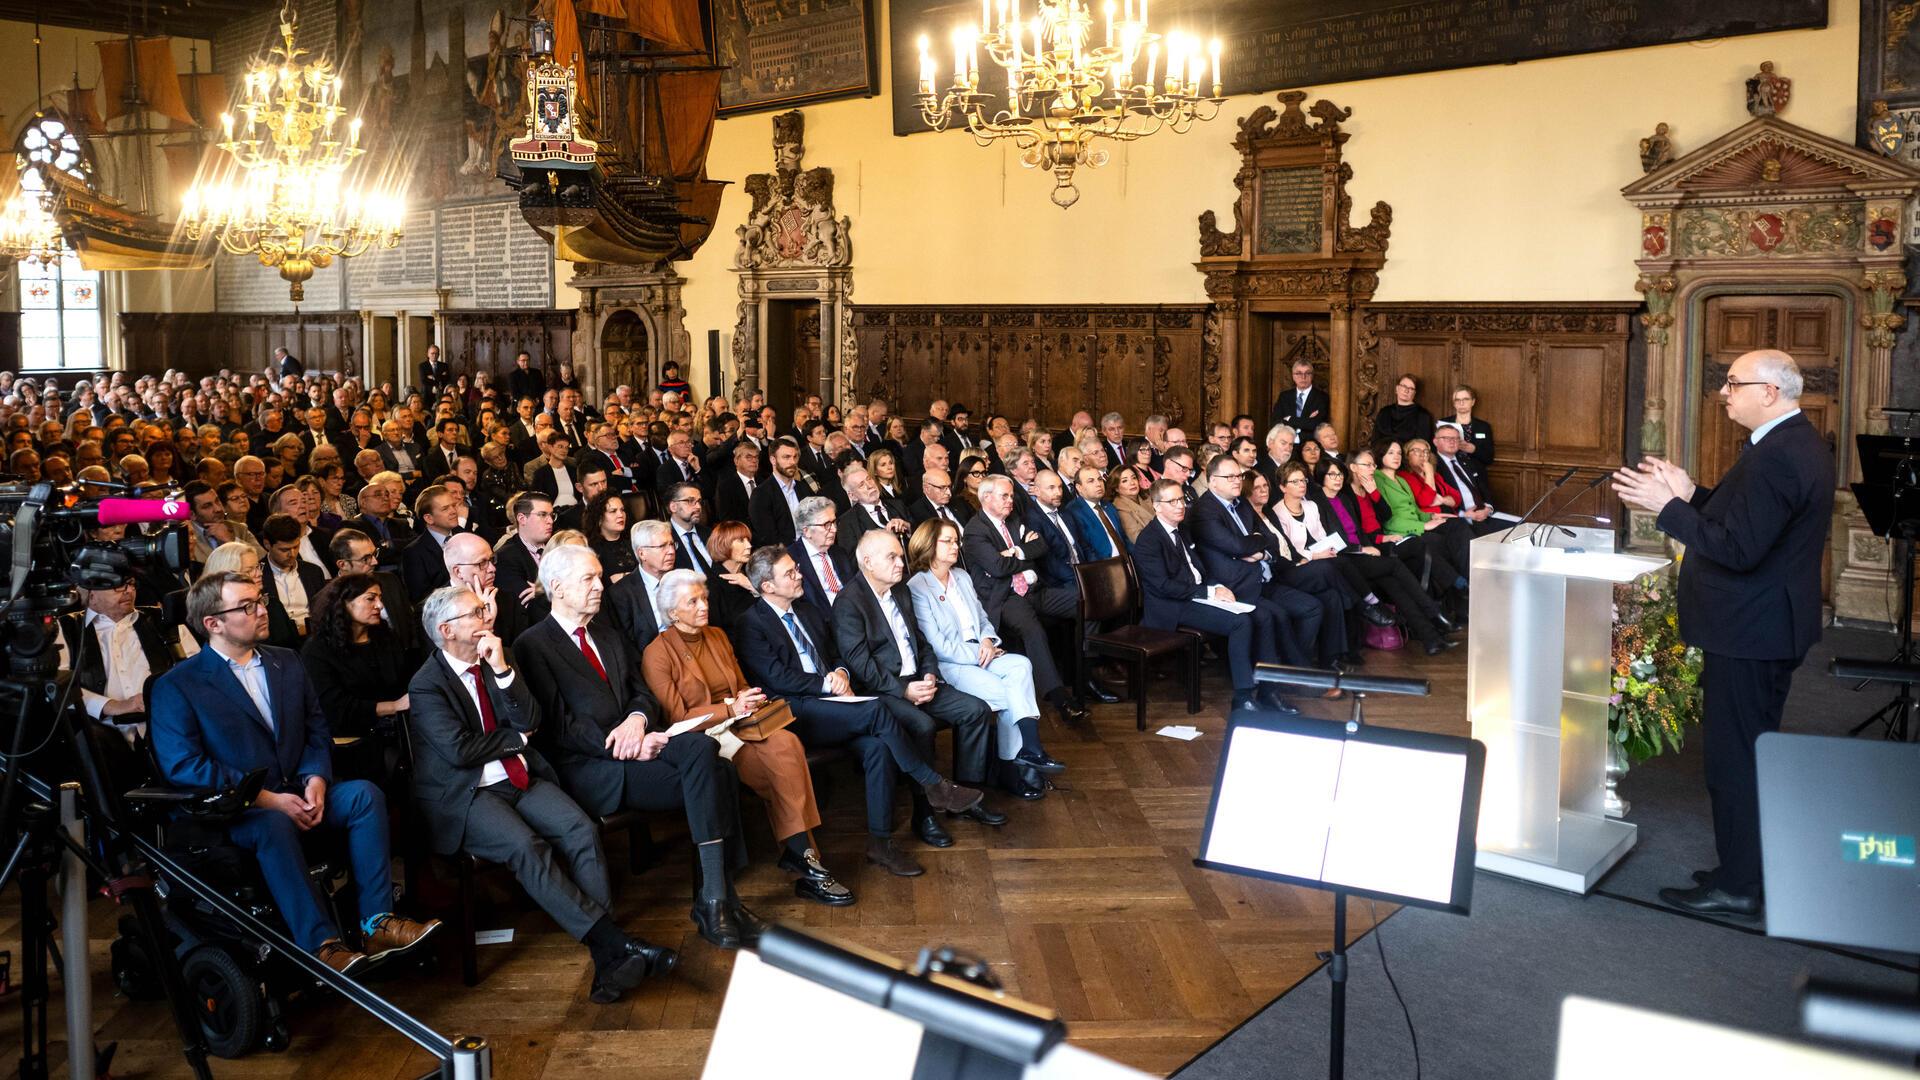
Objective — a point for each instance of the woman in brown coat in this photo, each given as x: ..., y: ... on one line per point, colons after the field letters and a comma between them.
x: 691, y: 669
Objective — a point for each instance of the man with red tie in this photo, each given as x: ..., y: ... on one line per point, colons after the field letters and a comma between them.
x: 598, y: 720
x: 825, y: 567
x: 486, y: 791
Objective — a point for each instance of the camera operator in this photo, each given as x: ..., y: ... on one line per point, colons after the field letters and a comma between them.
x: 129, y: 650
x: 240, y: 705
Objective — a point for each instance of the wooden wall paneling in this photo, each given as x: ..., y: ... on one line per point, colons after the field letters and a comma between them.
x: 203, y: 343
x: 488, y: 340
x: 1043, y: 362
x: 1551, y: 380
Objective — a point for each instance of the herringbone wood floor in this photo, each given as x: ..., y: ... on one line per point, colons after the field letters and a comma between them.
x: 1086, y: 902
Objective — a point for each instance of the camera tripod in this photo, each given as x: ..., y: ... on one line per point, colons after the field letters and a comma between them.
x: 1897, y: 715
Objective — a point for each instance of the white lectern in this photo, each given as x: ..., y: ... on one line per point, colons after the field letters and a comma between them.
x: 1539, y: 673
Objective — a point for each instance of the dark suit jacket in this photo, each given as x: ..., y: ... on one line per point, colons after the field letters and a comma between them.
x: 843, y: 567
x: 1286, y: 410
x: 91, y: 673
x: 528, y: 383
x: 992, y: 572
x: 730, y: 499
x: 767, y: 512
x: 769, y: 659
x: 544, y: 483
x: 207, y: 734
x: 682, y: 558
x: 631, y: 610
x: 1093, y: 538
x: 867, y: 644
x: 1222, y: 547
x: 422, y: 566
x: 1166, y: 584
x: 399, y: 534
x: 1055, y: 566
x: 514, y: 569
x: 921, y: 510
x: 1750, y: 584
x: 616, y: 481
x: 450, y: 748
x: 291, y: 365
x: 578, y: 708
x: 280, y: 628
x: 433, y: 377
x: 856, y: 521
x: 669, y: 473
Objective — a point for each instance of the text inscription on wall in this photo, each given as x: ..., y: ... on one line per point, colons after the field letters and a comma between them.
x: 1291, y: 208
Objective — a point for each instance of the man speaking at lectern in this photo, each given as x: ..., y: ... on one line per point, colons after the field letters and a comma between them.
x: 1749, y: 597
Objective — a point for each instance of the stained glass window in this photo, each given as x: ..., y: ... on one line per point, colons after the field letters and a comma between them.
x: 60, y: 316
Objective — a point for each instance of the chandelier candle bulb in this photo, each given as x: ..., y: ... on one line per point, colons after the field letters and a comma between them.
x: 1109, y: 24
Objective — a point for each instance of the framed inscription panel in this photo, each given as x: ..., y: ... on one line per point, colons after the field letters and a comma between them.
x: 1275, y: 46
x: 1292, y: 204
x: 778, y: 54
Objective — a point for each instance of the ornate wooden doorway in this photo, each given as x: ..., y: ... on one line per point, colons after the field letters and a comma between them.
x: 624, y: 352
x: 1808, y: 328
x: 1279, y: 341
x: 793, y: 353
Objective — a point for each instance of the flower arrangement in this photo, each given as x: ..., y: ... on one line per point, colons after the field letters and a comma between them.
x: 1656, y: 676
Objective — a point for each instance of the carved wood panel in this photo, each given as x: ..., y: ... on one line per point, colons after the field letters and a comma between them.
x: 487, y: 340
x: 202, y: 343
x: 1551, y: 380
x: 1040, y: 361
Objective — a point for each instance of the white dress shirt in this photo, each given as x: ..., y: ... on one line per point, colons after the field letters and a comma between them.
x: 492, y: 772
x: 1007, y: 535
x: 123, y: 658
x: 902, y: 640
x: 292, y: 592
x: 563, y: 487
x: 1194, y: 569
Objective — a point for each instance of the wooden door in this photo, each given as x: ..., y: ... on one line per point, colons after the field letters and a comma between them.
x: 1289, y: 338
x: 1808, y: 328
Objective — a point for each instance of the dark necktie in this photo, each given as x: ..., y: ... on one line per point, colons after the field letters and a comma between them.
x: 516, y: 769
x: 586, y: 649
x: 693, y: 552
x: 945, y: 514
x: 1460, y: 478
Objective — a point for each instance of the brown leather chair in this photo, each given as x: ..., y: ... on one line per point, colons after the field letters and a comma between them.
x: 1110, y: 596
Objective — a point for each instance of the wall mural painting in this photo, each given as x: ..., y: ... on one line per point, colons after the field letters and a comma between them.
x: 784, y: 52
x: 444, y: 88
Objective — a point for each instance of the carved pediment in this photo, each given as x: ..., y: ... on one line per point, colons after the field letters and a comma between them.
x: 1769, y: 155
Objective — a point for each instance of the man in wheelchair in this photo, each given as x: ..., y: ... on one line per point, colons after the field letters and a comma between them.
x: 239, y: 705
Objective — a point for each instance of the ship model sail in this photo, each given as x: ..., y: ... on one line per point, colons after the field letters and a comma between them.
x: 622, y: 96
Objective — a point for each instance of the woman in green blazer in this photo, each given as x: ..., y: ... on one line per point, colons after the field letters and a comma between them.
x: 1450, y: 536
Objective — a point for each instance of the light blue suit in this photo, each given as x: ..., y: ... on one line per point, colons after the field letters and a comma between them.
x: 1006, y: 684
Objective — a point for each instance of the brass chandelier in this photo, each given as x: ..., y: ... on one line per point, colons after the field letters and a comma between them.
x: 29, y: 232
x: 288, y: 192
x: 1063, y: 90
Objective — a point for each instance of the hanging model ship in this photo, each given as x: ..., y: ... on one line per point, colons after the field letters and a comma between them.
x: 621, y: 96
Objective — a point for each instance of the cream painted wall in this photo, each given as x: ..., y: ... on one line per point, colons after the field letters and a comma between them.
x: 1504, y: 182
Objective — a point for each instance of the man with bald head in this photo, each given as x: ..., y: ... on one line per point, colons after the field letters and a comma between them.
x: 1749, y: 597
x: 886, y: 655
x: 469, y: 562
x: 936, y: 499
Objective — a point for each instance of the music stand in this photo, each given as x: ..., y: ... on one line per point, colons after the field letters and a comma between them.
x: 1350, y: 809
x: 1889, y: 496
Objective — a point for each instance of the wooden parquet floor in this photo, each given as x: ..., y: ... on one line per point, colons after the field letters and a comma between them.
x: 1086, y: 902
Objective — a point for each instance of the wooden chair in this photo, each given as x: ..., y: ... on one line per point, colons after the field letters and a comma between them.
x: 1109, y: 595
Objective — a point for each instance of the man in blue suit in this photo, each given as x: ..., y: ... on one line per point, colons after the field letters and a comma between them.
x: 1095, y: 520
x: 1047, y: 516
x: 237, y: 706
x: 1749, y: 598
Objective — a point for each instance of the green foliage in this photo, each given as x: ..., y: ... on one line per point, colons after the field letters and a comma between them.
x: 1656, y: 676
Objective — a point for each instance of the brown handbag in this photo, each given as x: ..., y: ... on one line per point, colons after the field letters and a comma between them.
x: 764, y: 721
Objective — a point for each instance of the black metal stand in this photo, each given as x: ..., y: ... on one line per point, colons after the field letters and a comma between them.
x: 1896, y: 715
x: 1337, y: 972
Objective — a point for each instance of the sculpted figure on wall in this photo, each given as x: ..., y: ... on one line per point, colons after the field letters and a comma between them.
x: 792, y: 220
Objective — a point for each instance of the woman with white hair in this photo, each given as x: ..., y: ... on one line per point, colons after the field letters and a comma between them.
x: 971, y: 656
x: 691, y: 669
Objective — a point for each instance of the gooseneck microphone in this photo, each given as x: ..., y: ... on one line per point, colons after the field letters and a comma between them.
x: 1551, y: 488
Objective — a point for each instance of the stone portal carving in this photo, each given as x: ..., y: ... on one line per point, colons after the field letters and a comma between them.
x: 1771, y: 207
x: 795, y: 245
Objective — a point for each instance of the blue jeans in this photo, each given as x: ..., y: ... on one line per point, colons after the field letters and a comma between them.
x: 354, y: 805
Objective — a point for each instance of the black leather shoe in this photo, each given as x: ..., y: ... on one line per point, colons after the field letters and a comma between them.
x: 1707, y: 900
x: 714, y: 919
x: 751, y: 925
x: 1442, y: 623
x: 809, y: 866
x: 1026, y: 782
x: 632, y: 965
x: 1072, y: 713
x: 882, y: 853
x: 1042, y: 761
x: 927, y: 828
x: 828, y: 892
x: 1376, y: 615
x: 1440, y: 645
x: 980, y: 813
x: 1270, y: 699
x: 1242, y: 699
x: 1093, y: 691
x: 1702, y: 877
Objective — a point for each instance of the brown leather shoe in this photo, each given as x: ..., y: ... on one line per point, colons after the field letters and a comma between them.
x: 951, y: 797
x: 335, y: 954
x: 882, y: 853
x: 394, y: 935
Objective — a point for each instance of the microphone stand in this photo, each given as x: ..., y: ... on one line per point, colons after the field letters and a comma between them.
x: 1555, y: 486
x: 1594, y: 483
